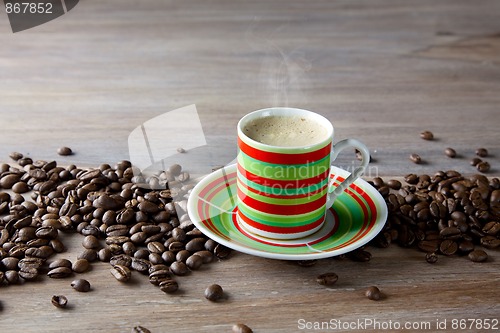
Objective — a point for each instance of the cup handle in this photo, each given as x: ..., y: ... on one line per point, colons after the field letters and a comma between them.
x: 365, y: 159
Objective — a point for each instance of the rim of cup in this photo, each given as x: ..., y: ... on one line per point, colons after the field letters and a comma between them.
x: 285, y: 111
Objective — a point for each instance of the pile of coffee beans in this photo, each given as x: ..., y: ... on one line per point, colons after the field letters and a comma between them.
x: 126, y: 219
x: 446, y: 213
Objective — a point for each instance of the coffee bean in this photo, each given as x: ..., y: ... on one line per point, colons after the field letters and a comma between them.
x: 458, y: 216
x: 119, y: 240
x: 196, y: 244
x: 475, y: 161
x: 214, y: 292
x: 222, y: 252
x: 39, y: 252
x: 450, y: 152
x: 179, y: 268
x: 28, y: 273
x: 175, y: 169
x: 138, y: 237
x: 156, y: 247
x: 140, y: 265
x: 60, y: 263
x: 373, y: 293
x: 148, y: 207
x: 482, y: 152
x: 429, y: 246
x: 327, y: 279
x: 81, y: 285
x: 450, y: 233
x: 89, y: 254
x: 478, y: 256
x: 16, y: 155
x: 415, y: 158
x: 210, y: 245
x: 158, y: 276
x: 182, y: 255
x: 20, y: 187
x: 80, y: 266
x: 24, y: 161
x: 378, y: 182
x: 359, y: 255
x: 121, y: 259
x: 9, y: 263
x: 492, y: 228
x: 104, y: 254
x: 183, y: 177
x: 483, y: 167
x: 140, y: 329
x: 431, y: 258
x: 64, y: 151
x: 465, y: 246
x: 241, y: 328
x: 90, y: 242
x: 11, y: 276
x: 394, y: 184
x: 59, y: 301
x: 30, y: 262
x: 490, y: 242
x: 427, y: 135
x: 207, y: 256
x: 448, y: 247
x: 168, y: 286
x: 121, y: 273
x: 9, y: 180
x: 194, y: 262
x: 176, y: 246
x: 59, y: 272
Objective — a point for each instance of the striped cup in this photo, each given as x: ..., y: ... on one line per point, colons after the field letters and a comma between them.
x: 283, y: 191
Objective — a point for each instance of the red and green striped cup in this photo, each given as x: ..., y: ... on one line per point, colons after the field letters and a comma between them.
x: 284, y: 191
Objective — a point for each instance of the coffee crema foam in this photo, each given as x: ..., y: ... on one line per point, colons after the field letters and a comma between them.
x: 285, y: 131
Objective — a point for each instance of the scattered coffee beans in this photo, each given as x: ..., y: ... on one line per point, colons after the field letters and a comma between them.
x: 81, y: 285
x: 214, y: 293
x: 427, y: 135
x: 241, y: 328
x: 140, y: 329
x: 16, y: 155
x: 327, y: 279
x: 450, y: 152
x: 64, y: 151
x: 373, y: 293
x: 59, y: 301
x: 482, y: 152
x: 475, y: 161
x: 481, y: 167
x: 415, y: 158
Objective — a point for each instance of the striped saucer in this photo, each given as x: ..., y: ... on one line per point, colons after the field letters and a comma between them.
x: 355, y: 218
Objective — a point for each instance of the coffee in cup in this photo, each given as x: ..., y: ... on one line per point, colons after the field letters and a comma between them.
x: 283, y: 169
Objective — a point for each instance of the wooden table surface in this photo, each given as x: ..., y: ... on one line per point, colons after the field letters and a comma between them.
x: 382, y: 71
